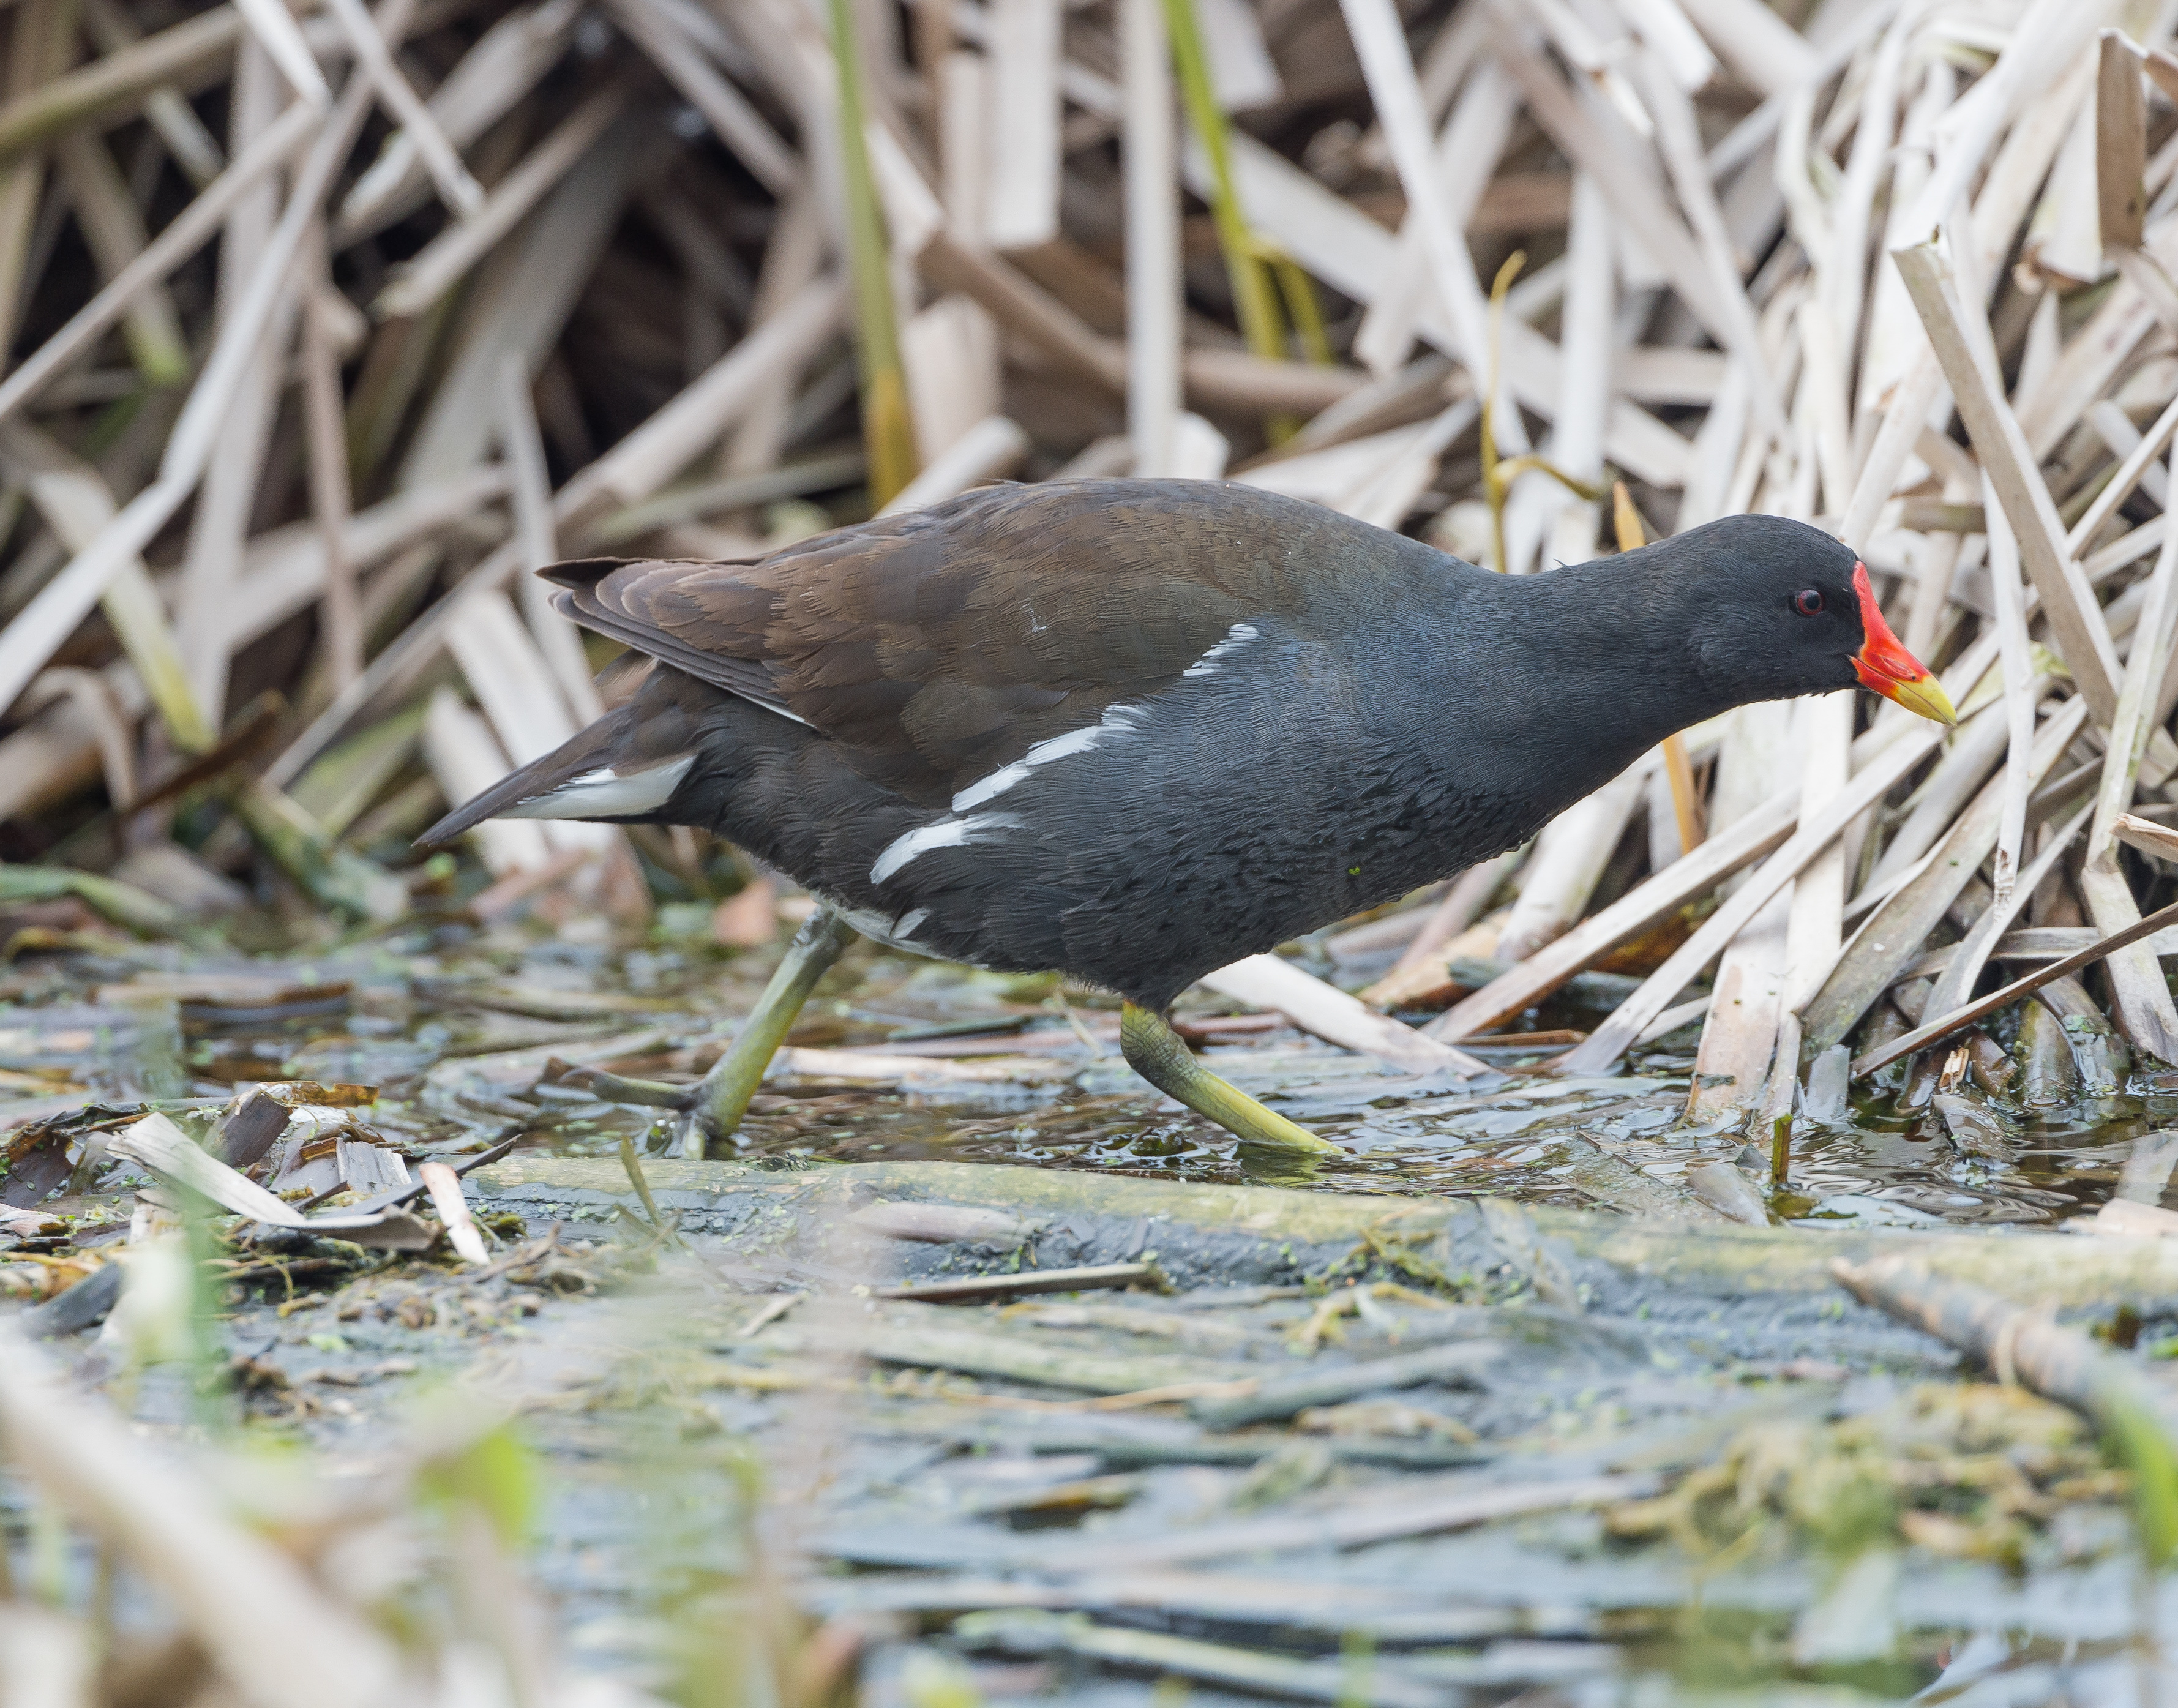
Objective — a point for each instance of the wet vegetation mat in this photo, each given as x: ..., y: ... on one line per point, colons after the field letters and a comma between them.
x: 1511, y: 1401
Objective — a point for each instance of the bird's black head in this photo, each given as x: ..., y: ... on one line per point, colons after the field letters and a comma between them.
x: 1772, y: 608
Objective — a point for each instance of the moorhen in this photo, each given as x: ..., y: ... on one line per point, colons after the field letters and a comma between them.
x: 1135, y: 729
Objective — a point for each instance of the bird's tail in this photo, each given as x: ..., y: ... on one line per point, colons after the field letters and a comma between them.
x: 623, y: 769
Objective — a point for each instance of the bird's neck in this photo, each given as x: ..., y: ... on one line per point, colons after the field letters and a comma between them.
x: 1594, y: 665
x: 1620, y: 632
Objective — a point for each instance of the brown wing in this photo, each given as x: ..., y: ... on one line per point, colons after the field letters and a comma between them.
x: 939, y: 645
x: 612, y: 595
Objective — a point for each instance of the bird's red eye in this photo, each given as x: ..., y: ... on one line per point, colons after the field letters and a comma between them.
x: 1808, y: 601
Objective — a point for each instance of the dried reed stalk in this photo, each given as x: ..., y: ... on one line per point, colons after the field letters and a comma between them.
x: 645, y: 326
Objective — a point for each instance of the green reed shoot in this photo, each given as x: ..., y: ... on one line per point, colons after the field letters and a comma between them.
x: 888, y: 429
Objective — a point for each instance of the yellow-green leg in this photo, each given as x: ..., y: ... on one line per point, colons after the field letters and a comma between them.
x: 722, y: 1098
x: 1159, y: 1054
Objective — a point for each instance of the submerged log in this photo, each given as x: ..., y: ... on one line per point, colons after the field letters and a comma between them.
x: 2045, y: 1058
x: 1200, y: 1233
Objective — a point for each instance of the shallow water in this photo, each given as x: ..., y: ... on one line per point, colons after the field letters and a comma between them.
x: 458, y: 1027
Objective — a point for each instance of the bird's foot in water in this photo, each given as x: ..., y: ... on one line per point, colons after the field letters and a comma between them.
x: 1159, y: 1054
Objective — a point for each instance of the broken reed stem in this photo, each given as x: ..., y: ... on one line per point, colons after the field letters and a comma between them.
x: 1625, y: 520
x: 1499, y: 474
x: 887, y: 428
x: 1780, y: 1149
x: 113, y: 229
x: 78, y: 505
x: 1154, y: 281
x: 133, y: 606
x: 39, y: 44
x: 2026, y: 1346
x: 2069, y: 605
x: 2009, y: 598
x: 2138, y: 694
x: 634, y: 1164
x: 1493, y: 489
x: 2121, y: 483
x: 1686, y: 798
x: 374, y: 60
x: 325, y: 431
x: 1678, y: 767
x: 1935, y: 1031
x: 199, y: 157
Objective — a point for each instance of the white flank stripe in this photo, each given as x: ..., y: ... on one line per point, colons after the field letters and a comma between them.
x: 1236, y: 637
x: 898, y: 933
x: 606, y: 794
x: 946, y: 833
x: 999, y: 781
x: 1118, y: 720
